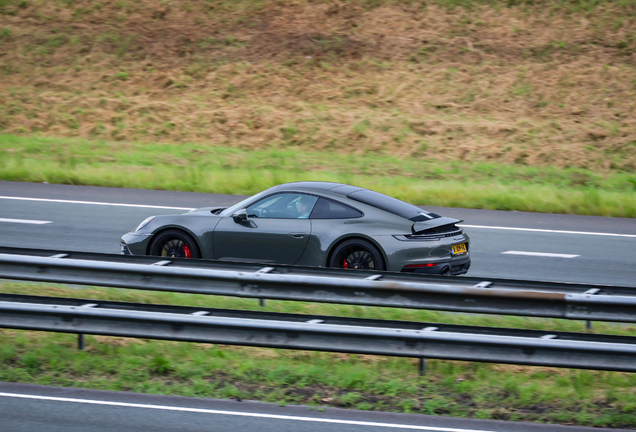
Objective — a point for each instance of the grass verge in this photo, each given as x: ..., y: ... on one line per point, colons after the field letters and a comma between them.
x: 200, y: 168
x: 320, y: 380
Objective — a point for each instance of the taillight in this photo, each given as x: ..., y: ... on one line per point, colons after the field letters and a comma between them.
x: 420, y: 265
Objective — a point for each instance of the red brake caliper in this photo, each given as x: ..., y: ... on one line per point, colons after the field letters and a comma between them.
x: 345, y: 264
x: 186, y: 251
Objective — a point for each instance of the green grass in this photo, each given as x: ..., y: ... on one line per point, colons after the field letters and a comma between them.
x: 461, y: 389
x: 217, y: 169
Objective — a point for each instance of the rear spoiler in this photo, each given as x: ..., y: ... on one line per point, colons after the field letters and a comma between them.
x: 419, y: 227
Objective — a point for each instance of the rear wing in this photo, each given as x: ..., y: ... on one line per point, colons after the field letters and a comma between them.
x: 429, y: 226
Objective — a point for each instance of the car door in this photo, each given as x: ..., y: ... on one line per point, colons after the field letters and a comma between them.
x: 275, y: 231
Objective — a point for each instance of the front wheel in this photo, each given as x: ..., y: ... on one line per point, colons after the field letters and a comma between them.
x: 357, y: 254
x: 174, y: 244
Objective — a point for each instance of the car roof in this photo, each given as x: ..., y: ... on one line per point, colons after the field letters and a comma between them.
x: 339, y: 188
x: 356, y: 195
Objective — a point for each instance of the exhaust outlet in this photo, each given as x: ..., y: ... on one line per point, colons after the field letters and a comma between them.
x: 446, y: 270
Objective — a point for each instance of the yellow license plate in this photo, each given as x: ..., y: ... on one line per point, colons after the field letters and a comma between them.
x: 459, y: 249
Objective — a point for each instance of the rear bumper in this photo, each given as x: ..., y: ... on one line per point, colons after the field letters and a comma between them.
x: 450, y: 268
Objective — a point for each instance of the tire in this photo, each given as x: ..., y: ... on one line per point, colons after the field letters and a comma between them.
x: 174, y: 244
x: 357, y: 254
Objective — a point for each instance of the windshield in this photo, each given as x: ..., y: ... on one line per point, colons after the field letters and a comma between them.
x: 239, y: 205
x: 392, y: 205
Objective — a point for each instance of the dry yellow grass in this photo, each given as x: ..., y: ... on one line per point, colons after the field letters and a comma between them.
x: 533, y: 85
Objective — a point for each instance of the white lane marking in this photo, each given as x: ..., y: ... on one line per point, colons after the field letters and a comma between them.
x: 550, y: 231
x: 94, y: 203
x: 189, y: 208
x: 540, y: 254
x: 25, y: 221
x: 242, y: 414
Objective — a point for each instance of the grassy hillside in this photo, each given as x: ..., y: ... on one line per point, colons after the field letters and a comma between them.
x: 532, y: 101
x: 541, y: 83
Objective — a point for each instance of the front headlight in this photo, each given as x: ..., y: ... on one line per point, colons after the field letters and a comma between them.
x: 145, y: 222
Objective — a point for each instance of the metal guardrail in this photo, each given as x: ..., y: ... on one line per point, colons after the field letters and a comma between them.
x: 319, y: 333
x: 400, y: 290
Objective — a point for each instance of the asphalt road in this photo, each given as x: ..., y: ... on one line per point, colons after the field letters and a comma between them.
x: 30, y: 408
x: 504, y: 244
x: 516, y: 245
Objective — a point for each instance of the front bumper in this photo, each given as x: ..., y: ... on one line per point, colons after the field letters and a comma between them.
x: 125, y: 250
x: 134, y: 244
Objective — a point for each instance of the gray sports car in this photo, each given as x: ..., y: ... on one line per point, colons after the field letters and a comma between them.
x: 312, y: 224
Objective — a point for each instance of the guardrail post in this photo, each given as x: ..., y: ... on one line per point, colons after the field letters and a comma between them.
x: 588, y: 325
x: 261, y: 302
x: 80, y: 341
x: 422, y: 368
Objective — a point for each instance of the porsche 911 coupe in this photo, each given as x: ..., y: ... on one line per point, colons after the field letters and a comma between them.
x: 311, y: 224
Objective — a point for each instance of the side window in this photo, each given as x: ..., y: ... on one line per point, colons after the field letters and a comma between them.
x: 326, y: 209
x: 283, y: 206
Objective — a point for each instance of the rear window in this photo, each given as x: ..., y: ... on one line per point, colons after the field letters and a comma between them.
x: 392, y: 205
x: 327, y: 209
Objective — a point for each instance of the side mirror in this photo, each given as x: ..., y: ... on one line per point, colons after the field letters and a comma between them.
x: 240, y: 216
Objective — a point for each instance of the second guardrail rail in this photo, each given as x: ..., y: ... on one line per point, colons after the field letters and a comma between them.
x: 319, y: 333
x: 312, y: 284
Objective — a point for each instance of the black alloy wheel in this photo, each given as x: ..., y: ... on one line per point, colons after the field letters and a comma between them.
x: 357, y: 254
x: 174, y: 244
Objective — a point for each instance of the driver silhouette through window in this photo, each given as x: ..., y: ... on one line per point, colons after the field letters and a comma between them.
x: 303, y: 208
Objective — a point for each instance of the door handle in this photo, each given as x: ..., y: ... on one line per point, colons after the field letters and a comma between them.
x: 297, y: 235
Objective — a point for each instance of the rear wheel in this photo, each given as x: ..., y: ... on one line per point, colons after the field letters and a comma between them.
x: 174, y: 244
x: 357, y: 254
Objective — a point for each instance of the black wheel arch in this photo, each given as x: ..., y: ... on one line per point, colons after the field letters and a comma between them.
x: 356, y: 236
x: 173, y: 227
